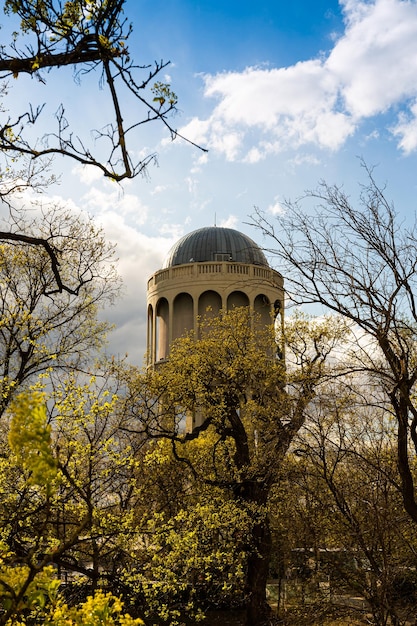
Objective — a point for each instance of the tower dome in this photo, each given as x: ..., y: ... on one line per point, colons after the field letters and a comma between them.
x: 215, y: 244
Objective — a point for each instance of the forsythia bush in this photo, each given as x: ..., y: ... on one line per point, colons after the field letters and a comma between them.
x: 102, y: 609
x: 29, y: 592
x: 30, y: 437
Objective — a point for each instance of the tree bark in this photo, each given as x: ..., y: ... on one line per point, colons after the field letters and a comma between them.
x: 257, y: 608
x: 257, y: 566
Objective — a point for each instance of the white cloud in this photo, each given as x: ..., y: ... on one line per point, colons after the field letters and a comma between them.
x: 376, y: 60
x: 172, y: 232
x: 371, y: 69
x: 87, y: 174
x: 196, y: 130
x: 159, y: 189
x: 309, y: 159
x: 276, y: 208
x: 406, y: 130
x: 254, y: 155
x: 201, y: 160
x: 139, y: 256
x: 111, y: 198
x: 230, y: 222
x: 192, y: 184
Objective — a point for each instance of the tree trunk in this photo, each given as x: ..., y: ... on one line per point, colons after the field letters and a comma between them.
x: 257, y: 608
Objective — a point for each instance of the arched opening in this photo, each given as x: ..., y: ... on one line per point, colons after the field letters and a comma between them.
x: 209, y: 304
x: 149, y: 338
x: 162, y: 329
x: 183, y: 315
x: 236, y: 299
x: 262, y: 306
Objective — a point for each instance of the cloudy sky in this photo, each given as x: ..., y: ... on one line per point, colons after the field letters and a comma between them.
x: 282, y: 94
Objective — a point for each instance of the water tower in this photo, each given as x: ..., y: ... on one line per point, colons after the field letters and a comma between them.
x: 208, y: 270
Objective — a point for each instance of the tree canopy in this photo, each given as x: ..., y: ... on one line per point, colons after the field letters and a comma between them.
x: 249, y: 408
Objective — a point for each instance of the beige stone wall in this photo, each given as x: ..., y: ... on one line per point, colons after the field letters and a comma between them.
x: 178, y: 295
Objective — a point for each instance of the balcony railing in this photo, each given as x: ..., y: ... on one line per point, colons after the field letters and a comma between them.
x: 198, y: 269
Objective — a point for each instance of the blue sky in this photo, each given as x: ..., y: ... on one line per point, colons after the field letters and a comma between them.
x: 283, y: 94
x: 218, y: 36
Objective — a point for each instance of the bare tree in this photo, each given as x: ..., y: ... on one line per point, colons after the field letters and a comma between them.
x: 359, y: 260
x: 41, y: 326
x: 343, y: 483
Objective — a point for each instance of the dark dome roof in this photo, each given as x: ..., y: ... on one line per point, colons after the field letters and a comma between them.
x: 215, y: 244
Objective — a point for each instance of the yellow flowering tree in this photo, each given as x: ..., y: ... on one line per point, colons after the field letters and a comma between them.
x: 193, y: 540
x: 249, y: 404
x: 43, y: 603
x: 40, y: 328
x: 67, y: 494
x: 101, y: 609
x: 30, y: 438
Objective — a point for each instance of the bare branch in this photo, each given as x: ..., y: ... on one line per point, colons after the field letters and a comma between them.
x: 86, y: 36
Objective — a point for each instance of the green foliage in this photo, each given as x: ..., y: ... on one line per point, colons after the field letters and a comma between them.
x: 162, y: 93
x: 30, y: 438
x: 22, y: 593
x: 231, y: 380
x: 100, y: 609
x: 247, y: 407
x: 43, y: 603
x: 78, y: 516
x: 179, y: 519
x: 194, y: 558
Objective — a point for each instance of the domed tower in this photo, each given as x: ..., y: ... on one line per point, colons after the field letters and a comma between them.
x: 208, y: 270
